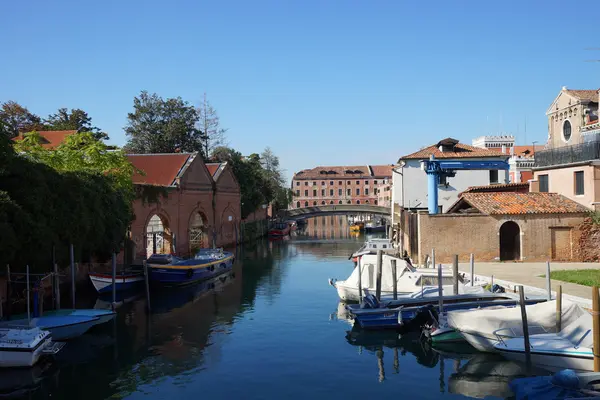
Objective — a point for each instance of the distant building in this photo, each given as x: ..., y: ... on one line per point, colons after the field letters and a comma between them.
x: 50, y: 139
x: 339, y: 185
x: 570, y: 163
x: 409, y: 186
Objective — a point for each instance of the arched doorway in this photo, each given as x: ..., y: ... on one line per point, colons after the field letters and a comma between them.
x: 510, y: 241
x: 158, y: 236
x: 198, y: 236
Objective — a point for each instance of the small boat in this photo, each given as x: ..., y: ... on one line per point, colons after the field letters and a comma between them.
x: 61, y: 327
x: 371, y: 246
x: 126, y: 280
x: 166, y: 269
x: 478, y: 327
x: 571, y: 348
x: 373, y: 226
x: 280, y: 229
x: 565, y: 384
x: 24, y: 347
x: 103, y: 316
x: 409, y: 279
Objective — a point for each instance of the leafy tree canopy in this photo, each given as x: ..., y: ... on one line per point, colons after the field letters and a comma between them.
x: 14, y: 119
x: 76, y: 119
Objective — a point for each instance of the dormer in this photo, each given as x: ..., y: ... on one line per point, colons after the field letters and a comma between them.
x: 447, y: 144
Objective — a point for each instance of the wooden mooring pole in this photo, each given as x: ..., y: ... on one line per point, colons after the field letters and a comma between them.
x: 559, y: 308
x: 455, y: 273
x: 440, y: 290
x: 472, y: 262
x: 394, y: 278
x: 114, y: 279
x: 72, y: 258
x: 526, y: 345
x: 147, y: 278
x: 596, y: 327
x: 379, y: 272
x: 360, y: 291
x: 8, y: 293
x: 432, y: 258
x: 28, y: 295
x: 548, y: 283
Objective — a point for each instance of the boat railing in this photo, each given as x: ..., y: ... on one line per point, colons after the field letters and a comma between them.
x: 514, y: 332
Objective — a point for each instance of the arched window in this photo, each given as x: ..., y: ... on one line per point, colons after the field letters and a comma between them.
x: 314, y: 203
x: 567, y: 130
x: 375, y: 202
x: 323, y: 203
x: 357, y: 201
x: 306, y: 204
x: 349, y: 202
x: 331, y: 202
x: 366, y: 201
x: 340, y: 202
x: 298, y: 205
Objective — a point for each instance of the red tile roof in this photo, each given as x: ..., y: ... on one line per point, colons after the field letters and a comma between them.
x: 501, y: 187
x: 345, y: 172
x: 512, y: 203
x: 585, y: 95
x: 159, y: 169
x: 459, y: 150
x: 50, y: 139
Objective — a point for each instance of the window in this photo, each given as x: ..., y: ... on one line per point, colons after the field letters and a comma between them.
x: 375, y: 202
x: 357, y: 191
x: 322, y: 183
x: 322, y: 192
x: 579, y: 189
x: 331, y: 183
x: 298, y: 205
x: 314, y: 183
x: 339, y: 192
x: 349, y: 202
x: 374, y: 182
x: 349, y: 192
x: 566, y: 130
x: 543, y: 183
x: 366, y: 191
x: 314, y: 193
x: 375, y: 191
x: 366, y: 182
x: 306, y: 204
x: 493, y: 176
x: 331, y: 192
x: 384, y: 246
x: 297, y: 192
x: 367, y: 201
x: 339, y: 182
x: 297, y: 183
x: 322, y: 203
x: 348, y: 182
x: 357, y: 201
x: 306, y: 193
x: 331, y: 202
x: 306, y: 183
x: 340, y: 202
x: 358, y: 182
x: 314, y: 203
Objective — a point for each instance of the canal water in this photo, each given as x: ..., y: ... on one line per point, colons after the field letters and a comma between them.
x: 270, y: 330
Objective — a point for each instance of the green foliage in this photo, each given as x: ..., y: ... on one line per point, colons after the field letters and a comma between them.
x: 79, y: 193
x: 587, y: 277
x: 75, y: 119
x: 157, y: 125
x: 14, y: 118
x: 595, y: 217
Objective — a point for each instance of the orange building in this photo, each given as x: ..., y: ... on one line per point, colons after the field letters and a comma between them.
x: 339, y: 185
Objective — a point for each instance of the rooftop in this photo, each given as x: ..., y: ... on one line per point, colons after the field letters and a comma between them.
x: 515, y: 203
x: 501, y: 187
x: 583, y: 95
x: 50, y: 139
x: 451, y: 148
x: 159, y: 169
x: 352, y: 171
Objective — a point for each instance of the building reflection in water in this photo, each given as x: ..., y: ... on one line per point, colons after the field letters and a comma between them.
x: 327, y: 227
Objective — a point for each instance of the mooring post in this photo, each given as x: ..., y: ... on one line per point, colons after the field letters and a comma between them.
x: 526, y: 345
x: 380, y: 365
x: 8, y: 292
x: 146, y: 277
x: 559, y: 308
x: 432, y: 258
x: 440, y: 290
x: 28, y: 295
x: 360, y: 291
x: 57, y: 280
x: 455, y: 273
x: 114, y: 279
x: 394, y: 278
x: 472, y: 262
x: 596, y: 327
x: 72, y: 257
x: 379, y: 272
x: 492, y: 285
x: 548, y: 284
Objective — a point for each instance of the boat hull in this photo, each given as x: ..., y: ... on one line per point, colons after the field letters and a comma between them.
x: 103, y: 282
x: 169, y: 275
x: 23, y: 358
x: 347, y: 293
x: 447, y: 335
x: 553, y: 362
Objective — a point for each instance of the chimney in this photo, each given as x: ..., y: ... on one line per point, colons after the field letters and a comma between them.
x: 564, y: 88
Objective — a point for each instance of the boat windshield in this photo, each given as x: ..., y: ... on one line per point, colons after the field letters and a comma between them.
x: 209, y: 254
x: 432, y: 280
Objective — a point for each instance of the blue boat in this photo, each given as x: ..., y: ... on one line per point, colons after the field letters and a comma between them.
x: 61, y: 327
x: 169, y: 270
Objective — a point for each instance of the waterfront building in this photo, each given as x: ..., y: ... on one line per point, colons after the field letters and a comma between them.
x: 202, y: 205
x: 339, y: 185
x: 570, y: 163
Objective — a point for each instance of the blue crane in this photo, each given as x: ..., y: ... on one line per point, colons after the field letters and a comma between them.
x: 435, y: 169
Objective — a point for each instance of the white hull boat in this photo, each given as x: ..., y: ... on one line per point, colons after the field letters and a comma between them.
x: 372, y: 246
x: 409, y: 279
x: 61, y: 327
x: 479, y: 327
x: 570, y: 348
x: 24, y: 347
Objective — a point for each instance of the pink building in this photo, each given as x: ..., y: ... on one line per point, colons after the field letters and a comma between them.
x: 339, y: 185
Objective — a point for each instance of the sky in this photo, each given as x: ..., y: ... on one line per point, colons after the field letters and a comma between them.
x: 322, y: 82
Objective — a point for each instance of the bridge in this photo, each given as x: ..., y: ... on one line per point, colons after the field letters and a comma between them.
x: 341, y: 209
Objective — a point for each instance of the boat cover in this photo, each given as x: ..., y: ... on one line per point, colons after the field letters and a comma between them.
x: 563, y: 385
x: 486, y: 321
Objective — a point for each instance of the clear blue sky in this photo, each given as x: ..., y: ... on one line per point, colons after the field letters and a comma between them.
x: 321, y: 82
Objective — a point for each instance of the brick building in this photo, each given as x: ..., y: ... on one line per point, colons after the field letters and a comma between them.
x: 339, y: 185
x: 202, y: 206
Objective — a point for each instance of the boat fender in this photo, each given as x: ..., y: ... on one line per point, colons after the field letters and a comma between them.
x: 190, y: 272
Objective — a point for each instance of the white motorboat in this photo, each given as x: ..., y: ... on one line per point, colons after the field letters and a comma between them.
x: 409, y: 279
x: 571, y: 348
x: 24, y: 347
x: 478, y: 327
x: 371, y: 246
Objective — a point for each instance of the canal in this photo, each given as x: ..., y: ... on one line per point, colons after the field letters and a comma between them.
x: 269, y: 330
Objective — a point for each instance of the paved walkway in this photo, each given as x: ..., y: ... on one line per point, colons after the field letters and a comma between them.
x: 532, y: 274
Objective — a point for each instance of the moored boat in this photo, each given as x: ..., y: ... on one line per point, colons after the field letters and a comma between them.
x: 280, y: 229
x: 127, y: 280
x: 166, y: 269
x: 24, y: 347
x: 371, y: 246
x: 61, y: 327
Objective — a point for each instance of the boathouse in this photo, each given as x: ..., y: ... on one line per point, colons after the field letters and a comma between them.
x: 499, y: 225
x: 201, y: 207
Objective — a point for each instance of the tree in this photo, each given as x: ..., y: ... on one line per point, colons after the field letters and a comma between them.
x: 163, y: 126
x: 214, y: 135
x: 76, y: 119
x: 15, y: 119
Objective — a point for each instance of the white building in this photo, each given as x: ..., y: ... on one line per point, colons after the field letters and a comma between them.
x: 409, y: 181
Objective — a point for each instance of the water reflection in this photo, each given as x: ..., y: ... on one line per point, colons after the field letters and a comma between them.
x: 328, y: 227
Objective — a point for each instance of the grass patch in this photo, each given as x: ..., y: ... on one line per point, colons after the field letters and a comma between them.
x: 587, y: 277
